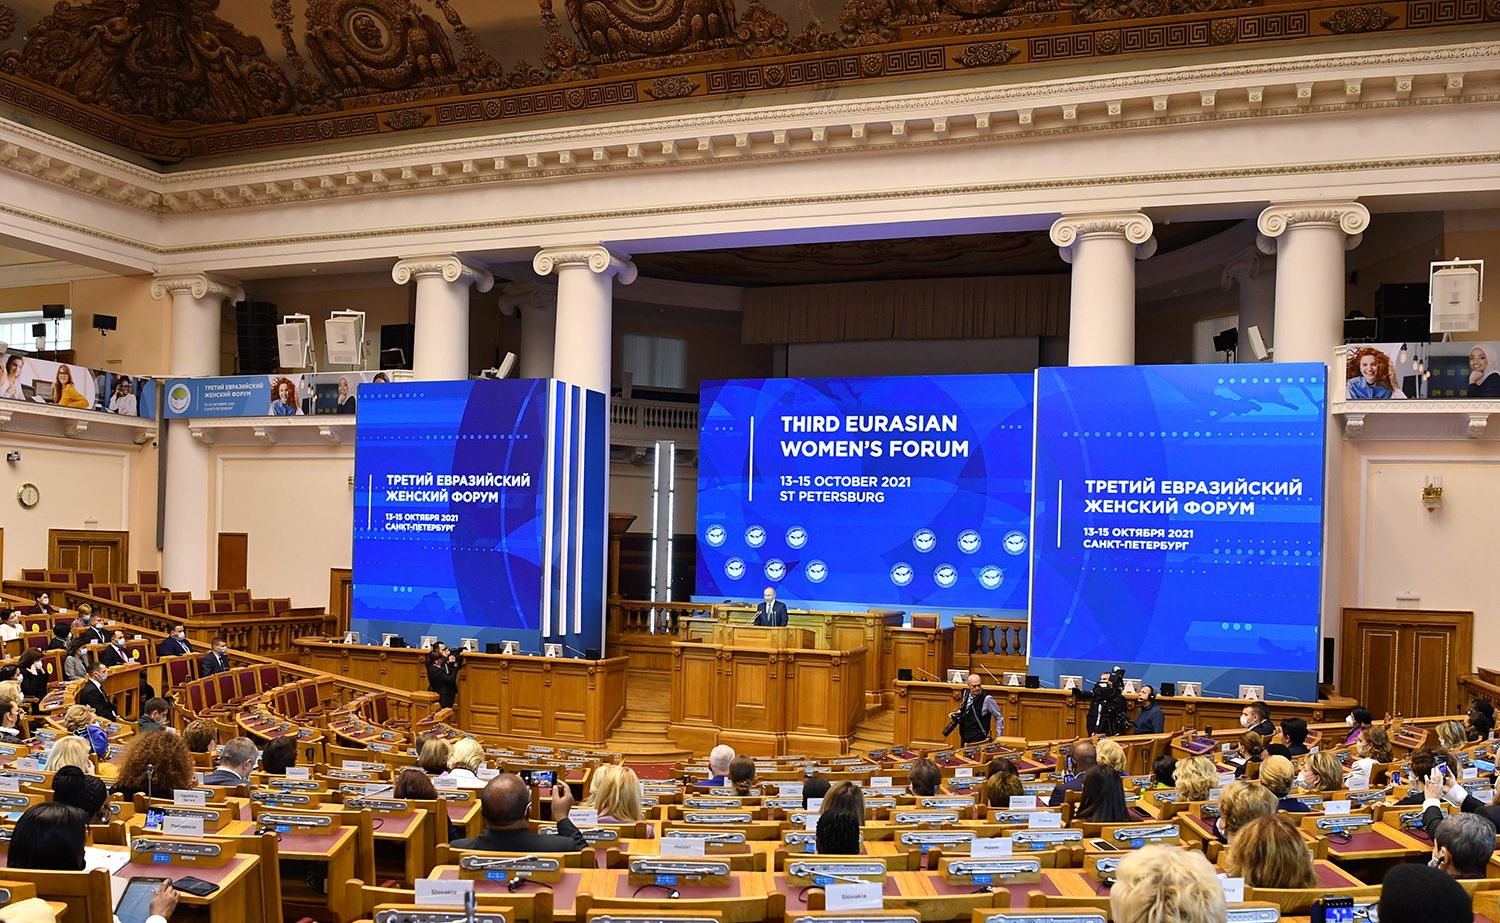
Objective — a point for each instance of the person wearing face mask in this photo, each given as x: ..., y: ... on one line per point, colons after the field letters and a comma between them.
x: 217, y: 661
x: 1257, y: 717
x: 175, y: 644
x: 1149, y: 720
x: 1359, y: 720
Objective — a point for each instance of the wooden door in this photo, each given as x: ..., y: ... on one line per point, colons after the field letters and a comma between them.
x: 234, y: 551
x: 1406, y: 661
x: 104, y: 554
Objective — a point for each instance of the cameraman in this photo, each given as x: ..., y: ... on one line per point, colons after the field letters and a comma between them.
x: 442, y: 673
x: 1107, y: 713
x: 974, y: 714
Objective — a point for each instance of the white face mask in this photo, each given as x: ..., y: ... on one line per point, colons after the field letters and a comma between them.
x: 1244, y: 721
x: 1349, y: 720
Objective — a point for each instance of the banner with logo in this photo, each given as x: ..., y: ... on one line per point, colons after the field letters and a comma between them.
x: 67, y: 384
x: 289, y: 395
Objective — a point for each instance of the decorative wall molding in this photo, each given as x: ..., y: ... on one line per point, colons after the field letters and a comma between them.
x: 1416, y: 419
x: 29, y: 418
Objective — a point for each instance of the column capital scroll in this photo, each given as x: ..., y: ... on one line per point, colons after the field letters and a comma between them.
x: 518, y: 297
x: 1350, y: 217
x: 450, y: 267
x: 597, y: 259
x: 200, y: 285
x: 1134, y: 227
x: 1249, y: 263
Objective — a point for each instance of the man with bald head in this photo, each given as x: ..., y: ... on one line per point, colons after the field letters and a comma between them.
x: 1084, y: 756
x: 978, y: 717
x: 505, y: 803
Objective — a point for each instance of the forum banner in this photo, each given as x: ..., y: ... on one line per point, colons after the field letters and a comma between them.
x: 480, y: 512
x: 288, y: 395
x: 1178, y: 524
x: 65, y: 384
x: 875, y: 491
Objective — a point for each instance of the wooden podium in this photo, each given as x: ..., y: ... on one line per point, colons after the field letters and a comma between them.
x: 764, y: 637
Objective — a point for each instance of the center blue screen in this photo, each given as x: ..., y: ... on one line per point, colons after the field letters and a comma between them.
x: 881, y: 491
x: 1178, y: 526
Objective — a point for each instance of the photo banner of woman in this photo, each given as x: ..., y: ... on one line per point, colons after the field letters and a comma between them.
x: 1457, y: 369
x: 68, y: 384
x: 288, y: 395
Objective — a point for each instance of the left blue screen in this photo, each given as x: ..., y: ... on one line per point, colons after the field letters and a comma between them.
x: 885, y: 491
x: 449, y: 489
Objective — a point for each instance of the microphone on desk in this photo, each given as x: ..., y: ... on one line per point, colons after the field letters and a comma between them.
x: 925, y: 673
x: 570, y: 648
x: 470, y: 903
x: 150, y: 775
x: 1282, y: 698
x: 991, y: 675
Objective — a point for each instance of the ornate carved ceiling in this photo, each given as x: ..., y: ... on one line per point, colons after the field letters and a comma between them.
x: 178, y: 79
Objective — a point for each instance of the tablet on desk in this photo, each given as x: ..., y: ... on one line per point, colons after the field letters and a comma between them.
x: 135, y: 902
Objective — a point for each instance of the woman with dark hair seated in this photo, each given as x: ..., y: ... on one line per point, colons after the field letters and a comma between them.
x: 839, y: 822
x: 1103, y: 799
x: 278, y: 755
x: 1164, y: 772
x: 158, y: 761
x: 88, y: 793
x: 1360, y: 720
x: 51, y: 837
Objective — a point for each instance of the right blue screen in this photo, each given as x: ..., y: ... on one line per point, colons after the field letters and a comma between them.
x: 1130, y: 567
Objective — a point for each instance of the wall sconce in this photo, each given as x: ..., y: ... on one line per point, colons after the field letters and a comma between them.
x: 1432, y: 493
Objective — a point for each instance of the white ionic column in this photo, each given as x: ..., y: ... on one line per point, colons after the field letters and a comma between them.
x: 441, y: 348
x: 1309, y: 240
x: 1255, y: 275
x: 1102, y: 249
x: 585, y: 302
x: 535, y: 303
x: 197, y: 306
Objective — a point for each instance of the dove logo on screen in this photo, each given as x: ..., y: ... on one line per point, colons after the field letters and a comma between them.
x: 924, y: 541
x: 716, y: 536
x: 796, y: 537
x: 816, y: 571
x: 968, y: 541
x: 775, y: 569
x: 755, y: 536
x: 945, y: 576
x: 901, y: 574
x: 991, y: 577
x: 1015, y: 542
x: 734, y: 568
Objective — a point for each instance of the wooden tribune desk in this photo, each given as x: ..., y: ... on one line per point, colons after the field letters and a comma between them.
x: 764, y: 636
x: 766, y: 699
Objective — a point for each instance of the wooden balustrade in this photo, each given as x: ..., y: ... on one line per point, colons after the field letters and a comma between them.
x: 644, y: 631
x: 254, y: 633
x: 991, y: 644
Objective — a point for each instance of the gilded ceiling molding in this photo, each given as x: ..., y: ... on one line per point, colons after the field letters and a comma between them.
x: 598, y: 259
x: 447, y: 266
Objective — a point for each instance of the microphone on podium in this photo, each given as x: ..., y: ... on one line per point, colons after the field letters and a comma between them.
x: 925, y: 673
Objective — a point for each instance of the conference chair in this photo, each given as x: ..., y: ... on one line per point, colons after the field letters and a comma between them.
x: 364, y: 901
x: 148, y: 578
x: 1298, y: 901
x: 86, y: 894
x: 656, y: 916
x: 1040, y: 900
x: 752, y: 907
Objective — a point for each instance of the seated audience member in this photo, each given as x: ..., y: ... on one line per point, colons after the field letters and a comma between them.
x: 1109, y: 753
x: 1414, y: 893
x: 1196, y: 777
x: 433, y: 756
x: 1269, y: 852
x: 464, y: 759
x: 71, y: 751
x: 1422, y: 761
x: 1478, y: 727
x: 13, y: 725
x: 1294, y: 732
x: 11, y: 628
x: 1166, y: 884
x: 279, y: 755
x: 51, y: 837
x: 216, y: 660
x: 33, y: 674
x: 1164, y: 772
x: 75, y: 661
x: 236, y: 762
x: 62, y: 636
x: 84, y: 791
x: 1322, y: 772
x: 1083, y: 756
x: 1103, y: 800
x: 840, y: 819
x: 1003, y: 786
x: 116, y: 654
x: 1000, y: 764
x: 1451, y: 736
x: 815, y: 787
x: 505, y: 803
x: 617, y: 796
x: 154, y: 715
x: 86, y: 628
x: 1359, y: 720
x: 1257, y: 717
x: 81, y: 720
x: 93, y: 695
x: 413, y: 783
x: 742, y: 775
x: 719, y: 759
x: 925, y: 778
x: 44, y: 606
x: 175, y: 644
x: 1372, y: 749
x: 201, y: 735
x: 1239, y: 804
x: 159, y: 761
x: 1277, y: 773
x: 1462, y: 845
x: 1251, y: 749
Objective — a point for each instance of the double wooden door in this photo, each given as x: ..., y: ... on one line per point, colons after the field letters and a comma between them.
x: 105, y: 554
x: 1406, y: 661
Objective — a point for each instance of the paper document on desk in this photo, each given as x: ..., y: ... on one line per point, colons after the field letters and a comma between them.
x: 111, y: 860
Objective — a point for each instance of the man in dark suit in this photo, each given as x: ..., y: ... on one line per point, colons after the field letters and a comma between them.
x: 235, y: 763
x: 93, y: 695
x: 175, y: 644
x: 88, y: 631
x: 1083, y: 757
x: 771, y: 612
x: 217, y: 660
x: 504, y: 803
x: 1257, y: 717
x: 116, y: 654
